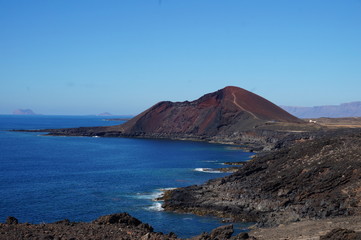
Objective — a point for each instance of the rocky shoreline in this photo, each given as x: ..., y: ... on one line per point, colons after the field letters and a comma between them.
x: 262, y: 139
x: 306, y: 175
x: 311, y: 179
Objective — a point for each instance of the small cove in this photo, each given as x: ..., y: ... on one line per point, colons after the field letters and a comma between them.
x: 46, y: 179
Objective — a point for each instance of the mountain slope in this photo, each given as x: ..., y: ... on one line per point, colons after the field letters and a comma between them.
x: 225, y: 111
x: 230, y: 115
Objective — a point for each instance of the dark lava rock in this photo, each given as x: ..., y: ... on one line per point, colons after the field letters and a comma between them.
x: 115, y: 226
x: 11, y: 220
x: 315, y: 179
x: 120, y: 226
x: 118, y: 218
x: 341, y: 234
x: 241, y: 236
x: 222, y: 232
x: 65, y: 222
x: 122, y: 219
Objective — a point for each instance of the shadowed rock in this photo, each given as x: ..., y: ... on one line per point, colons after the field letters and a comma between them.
x: 11, y: 220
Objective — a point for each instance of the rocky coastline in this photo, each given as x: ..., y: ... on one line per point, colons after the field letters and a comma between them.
x: 263, y: 139
x: 311, y: 179
x: 305, y: 176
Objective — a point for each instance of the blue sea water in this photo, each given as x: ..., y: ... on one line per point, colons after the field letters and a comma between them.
x: 46, y: 178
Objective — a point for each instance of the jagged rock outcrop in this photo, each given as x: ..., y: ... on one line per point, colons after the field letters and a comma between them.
x: 317, y: 178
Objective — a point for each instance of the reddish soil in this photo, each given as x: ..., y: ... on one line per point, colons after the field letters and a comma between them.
x: 214, y: 113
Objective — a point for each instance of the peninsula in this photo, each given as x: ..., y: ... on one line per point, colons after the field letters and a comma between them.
x: 230, y: 115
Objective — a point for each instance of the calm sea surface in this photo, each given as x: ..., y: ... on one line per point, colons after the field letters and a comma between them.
x: 46, y: 179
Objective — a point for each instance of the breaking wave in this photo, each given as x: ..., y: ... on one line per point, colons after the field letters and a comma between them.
x: 207, y: 170
x: 157, y: 206
x: 154, y: 196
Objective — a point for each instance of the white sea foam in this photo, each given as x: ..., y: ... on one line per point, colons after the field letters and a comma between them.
x: 150, y: 196
x: 154, y: 196
x: 157, y: 206
x: 166, y: 189
x: 207, y: 170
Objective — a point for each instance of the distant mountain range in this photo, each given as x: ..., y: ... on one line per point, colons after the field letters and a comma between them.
x: 352, y: 109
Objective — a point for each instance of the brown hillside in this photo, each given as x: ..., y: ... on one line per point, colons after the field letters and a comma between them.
x: 230, y: 115
x: 222, y: 112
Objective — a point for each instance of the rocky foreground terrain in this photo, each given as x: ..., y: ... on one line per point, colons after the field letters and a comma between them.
x: 122, y: 226
x: 338, y: 228
x: 119, y: 226
x: 311, y: 179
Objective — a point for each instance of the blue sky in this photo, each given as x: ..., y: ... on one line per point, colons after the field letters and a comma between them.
x: 122, y: 56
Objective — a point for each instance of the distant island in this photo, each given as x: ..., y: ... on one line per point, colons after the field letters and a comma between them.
x: 104, y: 114
x: 24, y: 112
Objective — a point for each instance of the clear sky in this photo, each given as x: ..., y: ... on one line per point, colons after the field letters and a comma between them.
x: 123, y: 56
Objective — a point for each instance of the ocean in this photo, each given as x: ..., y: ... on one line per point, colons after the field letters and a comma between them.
x: 45, y: 178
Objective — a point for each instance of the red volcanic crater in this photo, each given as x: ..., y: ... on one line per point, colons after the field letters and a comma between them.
x: 223, y: 112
